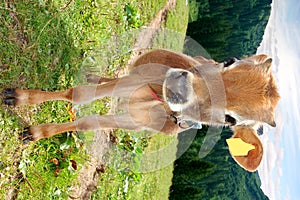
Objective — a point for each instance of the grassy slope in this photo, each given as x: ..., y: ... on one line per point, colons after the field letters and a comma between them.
x: 154, y: 184
x: 42, y: 46
x: 177, y: 20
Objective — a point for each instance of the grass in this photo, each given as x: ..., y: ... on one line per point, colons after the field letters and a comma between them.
x: 174, y: 32
x: 146, y: 175
x: 45, y: 45
x: 160, y: 165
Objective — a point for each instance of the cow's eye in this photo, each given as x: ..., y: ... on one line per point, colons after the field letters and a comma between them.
x: 260, y: 130
x: 185, y: 124
x: 230, y: 61
x: 230, y: 120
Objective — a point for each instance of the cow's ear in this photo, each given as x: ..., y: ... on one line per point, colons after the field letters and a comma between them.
x: 245, y: 147
x: 258, y: 59
x: 262, y: 61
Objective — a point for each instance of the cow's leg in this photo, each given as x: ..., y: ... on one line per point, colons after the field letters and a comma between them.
x: 25, y: 97
x: 80, y: 94
x: 93, y: 122
x: 122, y: 87
x: 91, y: 78
x: 97, y: 122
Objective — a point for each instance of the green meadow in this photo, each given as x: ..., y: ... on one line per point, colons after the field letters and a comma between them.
x: 46, y: 45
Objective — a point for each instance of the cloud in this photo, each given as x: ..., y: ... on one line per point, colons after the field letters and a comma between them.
x: 282, y: 41
x: 287, y: 195
x: 270, y: 169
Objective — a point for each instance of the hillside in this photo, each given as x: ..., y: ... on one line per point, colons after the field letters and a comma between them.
x: 225, y: 28
x: 229, y: 27
x: 216, y: 176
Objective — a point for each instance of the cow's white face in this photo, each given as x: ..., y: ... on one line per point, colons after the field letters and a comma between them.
x: 178, y: 89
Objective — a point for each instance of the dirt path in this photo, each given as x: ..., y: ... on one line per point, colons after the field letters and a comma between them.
x: 147, y: 35
x: 90, y: 173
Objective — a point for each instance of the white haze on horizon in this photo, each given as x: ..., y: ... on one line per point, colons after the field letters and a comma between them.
x: 278, y: 171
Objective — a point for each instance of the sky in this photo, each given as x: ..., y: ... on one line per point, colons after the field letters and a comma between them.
x: 280, y: 167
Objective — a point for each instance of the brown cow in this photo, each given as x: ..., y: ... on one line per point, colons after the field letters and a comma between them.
x: 169, y: 92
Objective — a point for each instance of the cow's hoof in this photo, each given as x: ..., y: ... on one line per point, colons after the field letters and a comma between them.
x: 9, y: 92
x: 26, y: 136
x: 9, y: 95
x: 10, y: 101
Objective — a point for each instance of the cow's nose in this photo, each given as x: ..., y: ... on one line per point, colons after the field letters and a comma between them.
x: 180, y: 75
x: 184, y: 74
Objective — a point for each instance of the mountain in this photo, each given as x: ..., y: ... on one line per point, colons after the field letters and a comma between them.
x: 225, y: 28
x: 215, y: 176
x: 228, y: 28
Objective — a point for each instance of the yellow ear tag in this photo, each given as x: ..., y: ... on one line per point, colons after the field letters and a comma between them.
x: 238, y: 147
